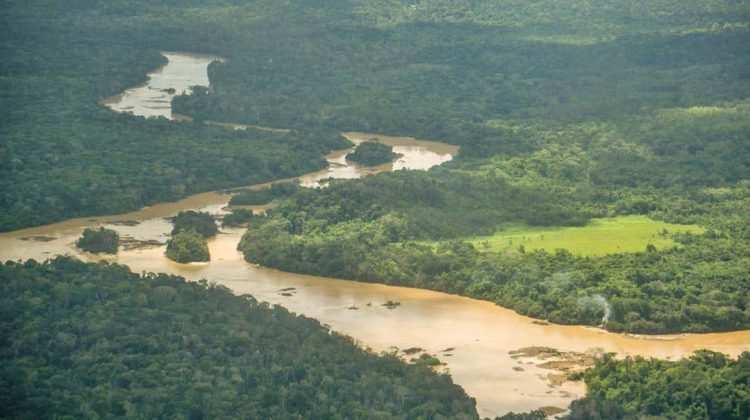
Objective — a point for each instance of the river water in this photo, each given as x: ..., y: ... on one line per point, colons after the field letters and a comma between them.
x: 472, y: 337
x: 154, y: 98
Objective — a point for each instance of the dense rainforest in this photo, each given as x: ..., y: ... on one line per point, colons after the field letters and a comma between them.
x: 263, y: 195
x: 707, y: 385
x: 100, y: 240
x: 237, y: 217
x: 371, y: 153
x: 455, y: 71
x: 566, y: 111
x: 374, y: 230
x: 187, y: 246
x: 559, y: 122
x: 188, y: 238
x: 198, y: 221
x: 96, y: 340
x: 62, y: 154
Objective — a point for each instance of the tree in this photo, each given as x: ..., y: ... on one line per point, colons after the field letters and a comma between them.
x: 187, y: 246
x: 201, y: 222
x: 372, y: 153
x: 100, y: 240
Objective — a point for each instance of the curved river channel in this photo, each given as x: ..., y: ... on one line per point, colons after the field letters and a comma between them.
x: 473, y: 338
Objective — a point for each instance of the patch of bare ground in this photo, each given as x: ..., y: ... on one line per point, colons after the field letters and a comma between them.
x: 38, y: 238
x: 566, y: 365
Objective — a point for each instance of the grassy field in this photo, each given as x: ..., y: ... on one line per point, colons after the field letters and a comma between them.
x: 599, y: 237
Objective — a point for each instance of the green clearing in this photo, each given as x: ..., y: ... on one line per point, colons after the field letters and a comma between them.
x: 598, y: 237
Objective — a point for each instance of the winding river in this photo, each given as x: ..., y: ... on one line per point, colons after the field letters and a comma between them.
x: 154, y: 98
x: 473, y: 338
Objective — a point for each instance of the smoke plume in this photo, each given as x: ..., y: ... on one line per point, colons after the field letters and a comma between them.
x: 596, y: 303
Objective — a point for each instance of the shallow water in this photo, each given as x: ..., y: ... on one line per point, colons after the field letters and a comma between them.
x: 480, y: 333
x: 415, y: 155
x: 153, y: 98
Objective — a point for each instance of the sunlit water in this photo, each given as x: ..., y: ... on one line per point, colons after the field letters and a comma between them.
x: 480, y: 333
x: 414, y: 154
x: 154, y: 98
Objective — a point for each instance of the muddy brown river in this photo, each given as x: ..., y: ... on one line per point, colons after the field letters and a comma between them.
x: 473, y: 338
x: 154, y: 98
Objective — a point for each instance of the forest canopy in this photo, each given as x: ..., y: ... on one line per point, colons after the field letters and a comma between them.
x: 100, y: 240
x: 371, y: 153
x: 187, y: 246
x: 565, y: 111
x: 456, y: 71
x: 707, y: 385
x: 96, y: 340
x: 201, y: 222
x: 263, y: 195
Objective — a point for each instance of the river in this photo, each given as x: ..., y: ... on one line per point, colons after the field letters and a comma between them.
x: 472, y: 337
x: 154, y: 97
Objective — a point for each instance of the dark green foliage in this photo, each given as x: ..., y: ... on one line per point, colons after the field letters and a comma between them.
x: 98, y: 341
x: 99, y: 241
x: 263, y: 195
x: 365, y: 230
x: 371, y: 153
x: 433, y: 73
x: 580, y: 111
x: 427, y: 360
x: 63, y: 155
x: 200, y: 222
x: 473, y: 203
x: 707, y: 385
x: 564, y: 110
x: 238, y: 217
x: 187, y: 246
x: 465, y: 72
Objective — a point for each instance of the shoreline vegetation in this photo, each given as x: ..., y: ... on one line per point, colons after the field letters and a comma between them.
x: 187, y: 246
x: 99, y: 241
x: 576, y: 171
x: 564, y: 116
x: 371, y: 153
x: 380, y: 237
x: 160, y: 346
x: 706, y: 385
x: 264, y: 195
x: 100, y: 162
x: 188, y: 242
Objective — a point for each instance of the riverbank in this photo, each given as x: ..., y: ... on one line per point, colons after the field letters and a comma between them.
x: 479, y: 334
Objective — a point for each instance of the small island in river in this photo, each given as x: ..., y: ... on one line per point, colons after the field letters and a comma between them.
x: 187, y: 246
x: 99, y: 241
x: 188, y: 243
x: 372, y: 153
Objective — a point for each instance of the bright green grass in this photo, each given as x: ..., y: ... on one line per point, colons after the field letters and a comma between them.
x: 598, y: 237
